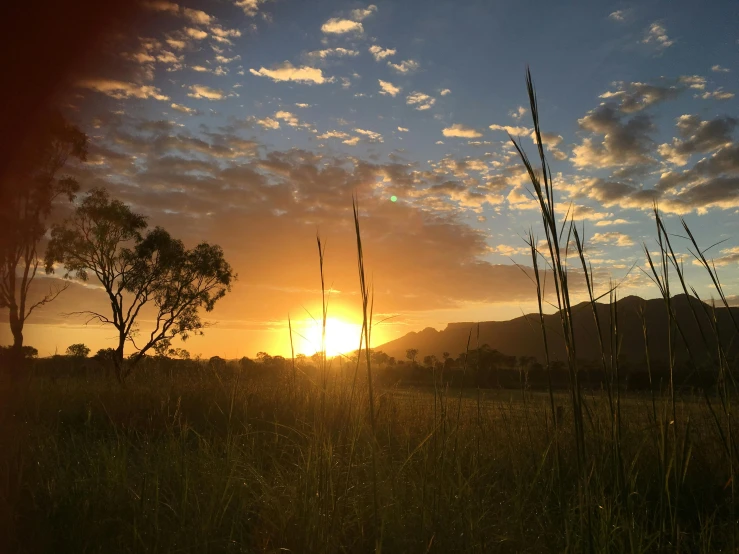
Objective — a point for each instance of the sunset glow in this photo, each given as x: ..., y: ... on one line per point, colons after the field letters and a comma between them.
x: 448, y: 276
x: 341, y: 337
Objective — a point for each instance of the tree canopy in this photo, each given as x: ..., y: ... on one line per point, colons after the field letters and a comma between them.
x: 108, y: 241
x: 78, y: 350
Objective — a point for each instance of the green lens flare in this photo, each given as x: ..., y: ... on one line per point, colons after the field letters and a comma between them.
x: 393, y: 198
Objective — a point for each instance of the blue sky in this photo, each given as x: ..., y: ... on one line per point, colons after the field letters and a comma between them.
x: 251, y: 123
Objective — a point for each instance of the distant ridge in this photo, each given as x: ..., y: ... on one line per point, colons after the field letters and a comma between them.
x: 522, y: 336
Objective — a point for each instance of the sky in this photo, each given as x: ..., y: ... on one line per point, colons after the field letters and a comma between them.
x: 252, y: 123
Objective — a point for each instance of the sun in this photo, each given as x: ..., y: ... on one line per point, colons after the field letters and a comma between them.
x: 341, y: 336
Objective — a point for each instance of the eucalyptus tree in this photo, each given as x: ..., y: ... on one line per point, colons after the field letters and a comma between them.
x: 142, y: 272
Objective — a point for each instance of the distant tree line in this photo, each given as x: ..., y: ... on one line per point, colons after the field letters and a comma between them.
x: 485, y: 368
x: 489, y: 368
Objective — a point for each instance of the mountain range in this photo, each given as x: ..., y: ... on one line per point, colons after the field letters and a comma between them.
x: 522, y: 336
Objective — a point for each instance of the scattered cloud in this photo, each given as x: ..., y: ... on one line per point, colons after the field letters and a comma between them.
x: 656, y: 35
x: 718, y: 94
x: 388, y: 88
x: 215, y: 71
x: 288, y: 72
x: 612, y: 237
x: 176, y: 43
x: 337, y: 26
x: 362, y: 13
x: 551, y: 141
x: 169, y: 58
x: 183, y: 109
x: 405, y: 66
x: 340, y: 26
x: 693, y: 81
x: 380, y: 53
x: 730, y: 256
x: 268, y: 123
x: 250, y: 7
x: 420, y: 101
x: 197, y: 34
x: 618, y: 15
x: 302, y: 105
x: 351, y: 141
x: 518, y: 113
x: 461, y: 131
x: 371, y: 135
x: 719, y: 69
x: 224, y: 59
x: 161, y: 6
x: 332, y: 52
x: 625, y: 142
x: 208, y: 93
x: 198, y: 17
x: 445, y: 91
x: 609, y: 222
x: 333, y: 134
x: 290, y: 118
x: 511, y: 130
x: 220, y: 32
x: 122, y: 89
x: 403, y: 129
x: 507, y: 250
x: 635, y: 97
x: 698, y: 137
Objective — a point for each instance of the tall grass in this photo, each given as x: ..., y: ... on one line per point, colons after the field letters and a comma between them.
x: 673, y: 436
x: 330, y: 458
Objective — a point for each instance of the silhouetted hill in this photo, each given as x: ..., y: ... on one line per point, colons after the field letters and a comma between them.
x: 522, y: 336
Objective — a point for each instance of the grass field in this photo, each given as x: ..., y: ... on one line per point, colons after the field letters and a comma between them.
x: 217, y: 462
x: 219, y: 458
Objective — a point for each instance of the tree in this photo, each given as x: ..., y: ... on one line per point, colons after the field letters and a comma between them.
x: 164, y: 349
x: 104, y: 239
x: 27, y: 196
x: 78, y: 350
x: 27, y: 352
x: 179, y: 353
x: 379, y: 357
x: 411, y: 354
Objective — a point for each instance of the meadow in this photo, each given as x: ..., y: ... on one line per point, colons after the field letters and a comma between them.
x: 206, y: 457
x: 212, y: 460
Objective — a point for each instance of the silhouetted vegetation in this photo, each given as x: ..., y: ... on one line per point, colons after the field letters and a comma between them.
x: 78, y: 350
x: 26, y: 201
x: 104, y: 239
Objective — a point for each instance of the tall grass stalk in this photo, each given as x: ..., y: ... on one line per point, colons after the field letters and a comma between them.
x: 544, y: 194
x: 367, y: 307
x: 532, y: 243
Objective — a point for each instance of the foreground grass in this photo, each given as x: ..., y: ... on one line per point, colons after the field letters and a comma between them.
x: 217, y: 462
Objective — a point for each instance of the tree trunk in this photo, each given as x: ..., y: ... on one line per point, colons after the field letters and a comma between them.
x: 16, y: 327
x: 119, y: 363
x: 16, y: 353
